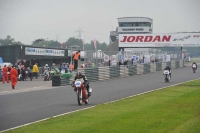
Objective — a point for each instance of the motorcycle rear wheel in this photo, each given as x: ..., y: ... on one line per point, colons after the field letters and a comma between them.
x: 166, y: 79
x: 86, y: 101
x: 45, y: 78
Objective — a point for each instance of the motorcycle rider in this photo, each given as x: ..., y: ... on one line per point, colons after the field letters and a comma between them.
x: 54, y: 67
x: 79, y: 75
x: 64, y: 68
x: 169, y: 69
x: 194, y: 65
x: 46, y: 69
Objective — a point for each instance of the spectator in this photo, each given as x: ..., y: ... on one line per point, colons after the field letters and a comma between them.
x: 109, y: 63
x: 86, y: 64
x: 19, y: 67
x: 30, y: 73
x: 93, y: 64
x: 143, y: 59
x: 89, y: 64
x: 0, y: 73
x: 23, y: 72
x: 35, y: 70
x: 119, y: 63
x: 71, y: 67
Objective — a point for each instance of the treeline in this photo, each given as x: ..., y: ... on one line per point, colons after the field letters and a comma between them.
x: 52, y: 43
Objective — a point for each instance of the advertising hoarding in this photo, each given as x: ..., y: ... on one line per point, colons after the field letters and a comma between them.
x: 160, y: 40
x: 43, y: 51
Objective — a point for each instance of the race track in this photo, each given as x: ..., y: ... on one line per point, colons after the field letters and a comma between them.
x: 20, y: 108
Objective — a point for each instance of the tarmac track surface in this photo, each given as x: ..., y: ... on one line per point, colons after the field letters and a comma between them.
x: 24, y: 107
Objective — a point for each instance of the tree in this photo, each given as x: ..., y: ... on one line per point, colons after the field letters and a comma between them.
x: 8, y: 40
x: 100, y: 46
x: 74, y: 41
x: 45, y: 43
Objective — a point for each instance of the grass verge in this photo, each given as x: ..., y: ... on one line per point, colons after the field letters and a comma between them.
x: 171, y: 110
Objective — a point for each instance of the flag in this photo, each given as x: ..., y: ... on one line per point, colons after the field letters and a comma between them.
x: 82, y: 38
x: 95, y: 41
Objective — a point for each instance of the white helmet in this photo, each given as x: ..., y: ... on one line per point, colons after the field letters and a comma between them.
x: 46, y: 65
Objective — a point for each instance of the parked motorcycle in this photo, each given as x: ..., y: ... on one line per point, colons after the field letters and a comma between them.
x: 54, y: 72
x: 46, y: 75
x: 166, y: 76
x: 81, y: 90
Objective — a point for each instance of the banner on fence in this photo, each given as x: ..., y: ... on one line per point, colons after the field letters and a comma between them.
x: 43, y: 51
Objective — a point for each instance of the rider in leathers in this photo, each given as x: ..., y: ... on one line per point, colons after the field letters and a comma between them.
x: 46, y: 69
x: 194, y: 64
x: 79, y: 75
x: 168, y: 68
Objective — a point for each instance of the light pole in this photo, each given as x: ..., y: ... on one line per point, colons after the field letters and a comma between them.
x: 47, y: 42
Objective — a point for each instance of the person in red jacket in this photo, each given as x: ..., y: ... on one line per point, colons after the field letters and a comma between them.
x: 13, y: 77
x: 5, y: 74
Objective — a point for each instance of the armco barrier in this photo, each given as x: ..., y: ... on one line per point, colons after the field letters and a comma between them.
x: 104, y: 73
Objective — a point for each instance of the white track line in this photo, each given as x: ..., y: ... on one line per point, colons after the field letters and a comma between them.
x: 95, y: 106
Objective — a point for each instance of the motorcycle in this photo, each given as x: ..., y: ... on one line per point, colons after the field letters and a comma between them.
x: 81, y: 90
x: 46, y: 75
x: 62, y: 71
x: 166, y: 75
x: 54, y: 72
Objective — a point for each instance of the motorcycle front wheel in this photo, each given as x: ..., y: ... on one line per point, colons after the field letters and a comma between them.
x: 79, y: 97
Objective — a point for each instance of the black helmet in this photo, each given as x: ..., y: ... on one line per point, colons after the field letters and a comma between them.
x: 79, y: 74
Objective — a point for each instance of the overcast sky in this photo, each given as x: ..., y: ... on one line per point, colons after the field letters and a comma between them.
x: 27, y: 20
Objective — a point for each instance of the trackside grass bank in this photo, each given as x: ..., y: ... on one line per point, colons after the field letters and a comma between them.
x: 171, y: 110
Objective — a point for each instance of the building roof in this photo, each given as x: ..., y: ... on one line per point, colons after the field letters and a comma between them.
x: 134, y: 17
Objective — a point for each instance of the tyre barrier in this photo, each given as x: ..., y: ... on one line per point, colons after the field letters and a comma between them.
x: 105, y: 73
x: 56, y: 80
x: 65, y: 81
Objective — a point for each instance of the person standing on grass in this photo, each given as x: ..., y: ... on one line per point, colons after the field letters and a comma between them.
x: 13, y: 77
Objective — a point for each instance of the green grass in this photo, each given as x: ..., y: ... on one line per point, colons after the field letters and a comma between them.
x: 171, y: 110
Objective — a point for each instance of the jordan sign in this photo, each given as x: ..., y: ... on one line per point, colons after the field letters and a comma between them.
x: 160, y: 40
